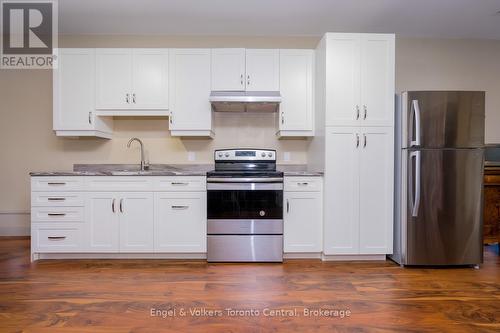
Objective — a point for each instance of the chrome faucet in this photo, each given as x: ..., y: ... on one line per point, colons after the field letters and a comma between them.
x: 144, y: 164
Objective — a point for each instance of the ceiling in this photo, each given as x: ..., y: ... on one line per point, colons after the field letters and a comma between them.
x: 417, y: 18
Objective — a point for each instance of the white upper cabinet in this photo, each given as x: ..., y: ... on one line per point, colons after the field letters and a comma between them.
x: 295, y: 117
x: 262, y: 70
x: 130, y: 79
x: 74, y: 96
x: 359, y: 79
x: 228, y: 69
x: 191, y: 113
x: 114, y: 78
x: 245, y: 69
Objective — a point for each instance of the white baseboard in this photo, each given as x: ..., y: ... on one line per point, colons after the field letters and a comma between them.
x: 354, y: 257
x: 179, y: 256
x: 15, y: 223
x: 302, y: 255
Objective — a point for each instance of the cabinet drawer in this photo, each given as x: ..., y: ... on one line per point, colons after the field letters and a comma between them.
x: 55, y: 237
x: 57, y: 214
x: 56, y: 183
x: 180, y: 184
x: 304, y: 184
x: 57, y: 199
x: 119, y: 183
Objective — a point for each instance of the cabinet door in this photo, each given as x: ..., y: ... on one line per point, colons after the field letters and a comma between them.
x: 377, y: 80
x: 189, y: 90
x: 228, y: 69
x: 341, y: 226
x: 342, y: 80
x: 114, y: 78
x: 262, y: 70
x: 181, y: 222
x: 376, y: 180
x: 102, y: 222
x: 296, y: 88
x: 302, y: 222
x: 74, y: 90
x: 150, y: 79
x: 136, y: 221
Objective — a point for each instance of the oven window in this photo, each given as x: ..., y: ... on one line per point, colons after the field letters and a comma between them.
x: 238, y: 204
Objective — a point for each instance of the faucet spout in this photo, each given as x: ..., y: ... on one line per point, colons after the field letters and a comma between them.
x: 144, y: 163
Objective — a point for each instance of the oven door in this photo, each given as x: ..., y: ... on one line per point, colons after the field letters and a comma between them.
x: 244, y: 201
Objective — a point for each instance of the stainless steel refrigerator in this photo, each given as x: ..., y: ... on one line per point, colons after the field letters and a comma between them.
x: 439, y: 178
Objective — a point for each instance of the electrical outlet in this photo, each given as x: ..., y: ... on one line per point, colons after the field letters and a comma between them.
x: 286, y: 156
x: 191, y: 156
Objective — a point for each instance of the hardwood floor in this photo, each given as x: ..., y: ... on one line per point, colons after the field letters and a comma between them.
x: 117, y: 296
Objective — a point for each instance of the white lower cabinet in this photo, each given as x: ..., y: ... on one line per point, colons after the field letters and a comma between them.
x: 359, y: 190
x: 120, y: 221
x: 180, y: 222
x: 303, y: 215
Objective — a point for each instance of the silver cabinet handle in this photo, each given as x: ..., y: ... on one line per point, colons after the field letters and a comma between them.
x: 241, y: 79
x: 179, y: 183
x: 56, y: 237
x: 180, y: 207
x: 61, y: 183
x: 302, y: 184
x: 365, y: 112
x: 56, y: 199
x: 127, y: 98
x: 282, y: 117
x: 357, y: 112
x: 56, y: 214
x: 357, y: 140
x: 121, y: 205
x: 287, y: 206
x: 90, y: 117
x: 248, y: 80
x: 170, y: 118
x: 113, y: 205
x: 133, y: 98
x: 364, y: 140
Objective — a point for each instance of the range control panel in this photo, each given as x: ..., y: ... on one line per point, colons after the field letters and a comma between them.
x: 245, y: 155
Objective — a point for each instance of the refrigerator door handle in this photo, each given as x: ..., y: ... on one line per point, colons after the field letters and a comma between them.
x: 415, y: 113
x: 415, y: 189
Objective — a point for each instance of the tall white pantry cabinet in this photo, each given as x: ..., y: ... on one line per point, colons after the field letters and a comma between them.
x: 354, y: 143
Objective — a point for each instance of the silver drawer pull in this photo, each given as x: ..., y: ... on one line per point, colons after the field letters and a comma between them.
x: 56, y: 199
x: 56, y: 237
x: 178, y: 183
x: 61, y: 183
x: 302, y: 184
x: 180, y: 207
x: 56, y: 214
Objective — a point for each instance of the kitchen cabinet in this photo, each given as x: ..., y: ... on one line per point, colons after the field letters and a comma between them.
x: 190, y: 76
x: 359, y: 190
x: 295, y: 116
x: 132, y: 79
x: 360, y: 79
x: 120, y: 221
x: 303, y: 215
x: 228, y: 69
x: 74, y: 111
x: 245, y: 69
x: 180, y: 222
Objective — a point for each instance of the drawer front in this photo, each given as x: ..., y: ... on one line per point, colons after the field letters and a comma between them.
x: 57, y: 199
x: 57, y: 183
x: 57, y: 214
x: 55, y: 237
x: 303, y: 184
x: 119, y: 183
x: 180, y: 184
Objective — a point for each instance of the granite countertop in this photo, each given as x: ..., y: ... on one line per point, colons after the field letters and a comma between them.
x: 160, y: 170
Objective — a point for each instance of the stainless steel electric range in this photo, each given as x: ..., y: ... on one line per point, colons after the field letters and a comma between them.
x: 245, y: 207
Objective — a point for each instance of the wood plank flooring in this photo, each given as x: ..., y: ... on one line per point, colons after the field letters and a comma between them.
x: 118, y: 295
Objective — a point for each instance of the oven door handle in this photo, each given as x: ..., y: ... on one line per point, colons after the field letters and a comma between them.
x: 245, y: 186
x: 244, y: 180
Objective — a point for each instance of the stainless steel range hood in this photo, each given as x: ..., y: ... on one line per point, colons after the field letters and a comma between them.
x: 245, y: 101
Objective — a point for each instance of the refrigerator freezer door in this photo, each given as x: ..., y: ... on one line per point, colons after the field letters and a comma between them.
x: 443, y: 119
x: 444, y: 205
